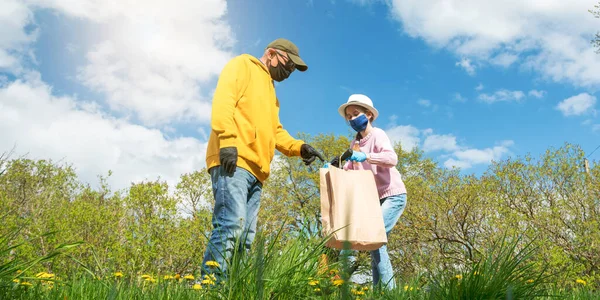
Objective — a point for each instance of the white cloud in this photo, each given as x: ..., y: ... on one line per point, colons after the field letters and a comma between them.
x: 152, y: 59
x: 459, y: 98
x: 407, y: 135
x: 537, y: 94
x: 479, y: 87
x: 502, y: 95
x: 14, y: 16
x: 468, y: 158
x: 465, y: 63
x: 446, y: 142
x: 551, y: 37
x: 457, y: 155
x: 504, y: 59
x: 577, y: 105
x: 424, y: 102
x: 62, y: 128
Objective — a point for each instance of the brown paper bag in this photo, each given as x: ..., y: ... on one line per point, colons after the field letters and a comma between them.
x: 350, y: 209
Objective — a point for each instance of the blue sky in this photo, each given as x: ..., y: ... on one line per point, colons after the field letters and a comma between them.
x: 129, y: 89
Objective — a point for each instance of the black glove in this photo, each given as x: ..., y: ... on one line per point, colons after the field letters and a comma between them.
x: 228, y: 157
x: 309, y: 154
x: 335, y: 162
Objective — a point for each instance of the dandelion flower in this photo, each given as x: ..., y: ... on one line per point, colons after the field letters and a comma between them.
x: 212, y: 264
x: 25, y: 283
x: 118, y: 274
x: 44, y: 275
x: 530, y: 281
x: 338, y: 282
x: 581, y: 281
x: 313, y: 282
x: 16, y: 280
x: 317, y: 289
x: 177, y: 276
x: 146, y: 276
x: 357, y: 292
x: 168, y: 277
x: 189, y: 277
x: 197, y: 286
x: 458, y: 276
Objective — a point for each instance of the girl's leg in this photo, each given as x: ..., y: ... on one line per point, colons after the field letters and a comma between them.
x: 392, y: 208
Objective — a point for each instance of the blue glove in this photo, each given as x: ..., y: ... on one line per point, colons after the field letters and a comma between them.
x: 358, y: 156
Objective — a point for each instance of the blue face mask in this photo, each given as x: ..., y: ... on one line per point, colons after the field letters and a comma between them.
x: 359, y: 123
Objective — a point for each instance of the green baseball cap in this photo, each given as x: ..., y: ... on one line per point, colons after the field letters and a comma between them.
x: 292, y: 50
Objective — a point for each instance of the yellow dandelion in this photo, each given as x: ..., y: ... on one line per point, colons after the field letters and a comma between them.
x: 208, y: 281
x: 16, y: 280
x: 44, y: 275
x: 118, y: 274
x: 146, y: 276
x: 177, y: 276
x: 458, y: 276
x: 168, y: 277
x: 150, y: 279
x: 197, y: 286
x: 357, y: 292
x: 189, y: 277
x: 212, y: 264
x: 25, y: 283
x: 406, y: 288
x: 338, y: 282
x: 366, y: 288
x: 530, y: 281
x: 313, y: 282
x: 581, y: 281
x: 317, y: 290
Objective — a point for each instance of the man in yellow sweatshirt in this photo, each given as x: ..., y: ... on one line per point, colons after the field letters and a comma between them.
x: 245, y: 133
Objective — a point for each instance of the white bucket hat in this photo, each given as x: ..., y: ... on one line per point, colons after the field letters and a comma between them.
x: 360, y: 100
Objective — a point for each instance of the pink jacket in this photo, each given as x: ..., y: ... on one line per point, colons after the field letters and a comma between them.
x: 382, y: 160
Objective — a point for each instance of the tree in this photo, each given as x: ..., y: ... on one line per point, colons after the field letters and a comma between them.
x: 596, y: 13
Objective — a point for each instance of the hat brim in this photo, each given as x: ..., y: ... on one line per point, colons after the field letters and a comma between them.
x: 300, y: 64
x: 373, y: 110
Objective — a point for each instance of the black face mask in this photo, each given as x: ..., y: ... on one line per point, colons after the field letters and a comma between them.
x: 280, y: 72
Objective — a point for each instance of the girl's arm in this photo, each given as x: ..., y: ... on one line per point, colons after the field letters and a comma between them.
x: 386, y: 157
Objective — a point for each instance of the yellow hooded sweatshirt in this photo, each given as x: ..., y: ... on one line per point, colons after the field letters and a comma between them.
x: 245, y: 114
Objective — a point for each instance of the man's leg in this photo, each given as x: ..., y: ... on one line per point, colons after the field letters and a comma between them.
x: 231, y: 195
x: 252, y: 212
x: 381, y: 265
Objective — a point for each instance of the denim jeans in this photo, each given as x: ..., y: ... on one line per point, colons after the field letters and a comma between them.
x: 237, y: 201
x: 392, y: 208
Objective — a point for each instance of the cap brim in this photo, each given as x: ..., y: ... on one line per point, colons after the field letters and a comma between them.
x: 300, y: 64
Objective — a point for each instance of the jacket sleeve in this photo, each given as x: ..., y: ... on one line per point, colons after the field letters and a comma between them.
x: 386, y: 157
x: 233, y: 78
x: 284, y: 142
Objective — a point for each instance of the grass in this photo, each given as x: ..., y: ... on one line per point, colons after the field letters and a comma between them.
x: 293, y: 269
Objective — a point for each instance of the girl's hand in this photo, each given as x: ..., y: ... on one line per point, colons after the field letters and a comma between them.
x: 358, y: 156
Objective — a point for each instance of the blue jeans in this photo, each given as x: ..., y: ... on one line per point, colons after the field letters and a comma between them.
x: 392, y: 208
x: 237, y: 201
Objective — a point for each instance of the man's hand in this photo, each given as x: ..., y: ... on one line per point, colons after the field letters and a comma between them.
x: 228, y: 157
x: 309, y: 154
x: 358, y: 156
x: 335, y: 162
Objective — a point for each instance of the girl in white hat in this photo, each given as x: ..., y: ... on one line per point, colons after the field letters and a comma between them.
x: 373, y: 151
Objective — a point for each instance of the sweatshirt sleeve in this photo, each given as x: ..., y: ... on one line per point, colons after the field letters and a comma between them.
x: 386, y: 157
x: 233, y: 77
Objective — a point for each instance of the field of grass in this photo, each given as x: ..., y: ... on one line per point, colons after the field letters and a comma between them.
x: 290, y: 270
